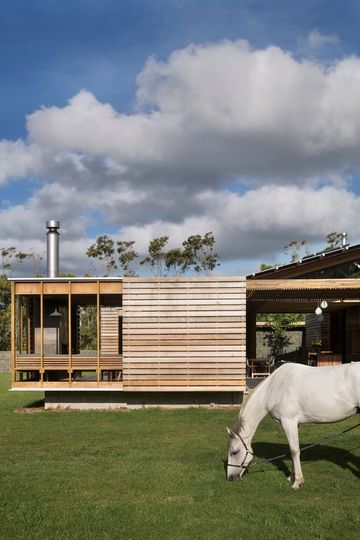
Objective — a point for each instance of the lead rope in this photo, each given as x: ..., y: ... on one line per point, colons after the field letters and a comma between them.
x: 328, y: 438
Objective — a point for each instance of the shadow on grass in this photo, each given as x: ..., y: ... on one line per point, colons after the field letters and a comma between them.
x: 343, y: 458
x: 33, y: 406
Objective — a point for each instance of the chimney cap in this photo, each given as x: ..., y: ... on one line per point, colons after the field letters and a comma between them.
x: 53, y: 224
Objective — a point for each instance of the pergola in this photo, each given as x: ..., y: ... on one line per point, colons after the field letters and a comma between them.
x: 301, y: 295
x: 300, y: 286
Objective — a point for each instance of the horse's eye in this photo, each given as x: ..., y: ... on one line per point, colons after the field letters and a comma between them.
x: 235, y: 452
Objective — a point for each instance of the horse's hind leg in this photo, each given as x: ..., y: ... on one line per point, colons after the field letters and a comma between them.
x: 292, y: 433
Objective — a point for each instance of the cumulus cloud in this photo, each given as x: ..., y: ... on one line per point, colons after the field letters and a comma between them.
x: 283, y: 132
x: 219, y: 111
x: 18, y: 160
x: 258, y: 223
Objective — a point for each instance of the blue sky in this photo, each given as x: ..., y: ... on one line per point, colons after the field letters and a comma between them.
x: 202, y: 137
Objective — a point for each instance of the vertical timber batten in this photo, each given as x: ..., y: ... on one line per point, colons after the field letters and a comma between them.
x: 98, y: 330
x: 42, y: 331
x: 28, y: 327
x: 12, y: 322
x: 21, y: 329
x: 69, y: 333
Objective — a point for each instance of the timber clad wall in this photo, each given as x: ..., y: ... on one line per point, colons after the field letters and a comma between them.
x: 109, y: 330
x: 184, y: 333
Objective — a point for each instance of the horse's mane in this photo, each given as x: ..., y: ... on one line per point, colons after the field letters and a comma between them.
x: 241, y: 420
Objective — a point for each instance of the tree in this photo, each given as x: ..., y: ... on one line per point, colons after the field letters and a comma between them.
x: 276, y: 338
x: 36, y: 264
x: 297, y: 249
x: 103, y: 249
x: 5, y: 299
x: 175, y: 260
x: 199, y: 253
x: 157, y: 255
x: 127, y: 255
x: 333, y: 240
x: 6, y: 255
x: 88, y: 326
x: 9, y: 256
x: 264, y: 266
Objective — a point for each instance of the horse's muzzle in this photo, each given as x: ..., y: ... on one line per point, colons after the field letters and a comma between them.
x: 234, y: 477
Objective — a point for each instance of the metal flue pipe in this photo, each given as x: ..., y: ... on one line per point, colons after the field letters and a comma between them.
x: 344, y: 240
x: 52, y: 248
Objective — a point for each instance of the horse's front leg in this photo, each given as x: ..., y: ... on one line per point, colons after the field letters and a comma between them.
x: 292, y: 433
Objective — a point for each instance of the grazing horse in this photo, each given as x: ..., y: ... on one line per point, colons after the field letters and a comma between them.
x: 294, y: 394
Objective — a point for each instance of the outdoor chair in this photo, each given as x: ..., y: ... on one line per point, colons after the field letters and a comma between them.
x: 259, y: 367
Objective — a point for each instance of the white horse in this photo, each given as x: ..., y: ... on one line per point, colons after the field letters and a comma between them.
x: 294, y: 394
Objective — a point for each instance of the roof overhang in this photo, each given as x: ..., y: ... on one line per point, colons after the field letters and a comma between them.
x: 301, y: 295
x: 64, y: 279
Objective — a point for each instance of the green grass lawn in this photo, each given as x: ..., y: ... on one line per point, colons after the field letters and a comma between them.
x: 154, y: 474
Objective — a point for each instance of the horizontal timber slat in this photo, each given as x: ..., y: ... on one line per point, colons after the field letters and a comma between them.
x: 204, y: 360
x: 176, y: 345
x: 184, y: 313
x: 166, y: 328
x: 199, y: 335
x: 185, y: 378
x: 169, y: 382
x: 191, y: 364
x: 191, y: 308
x: 184, y: 347
x: 184, y: 356
x: 184, y: 332
x: 149, y: 339
x: 208, y: 388
x: 28, y: 364
x: 179, y: 279
x: 201, y: 294
x: 192, y: 302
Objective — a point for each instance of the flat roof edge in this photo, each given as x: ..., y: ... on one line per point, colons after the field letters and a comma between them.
x: 65, y: 279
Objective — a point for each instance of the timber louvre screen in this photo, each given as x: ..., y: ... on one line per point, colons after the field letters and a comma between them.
x: 184, y: 333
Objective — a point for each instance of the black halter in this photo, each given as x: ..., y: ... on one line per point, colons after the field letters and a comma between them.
x: 242, y: 466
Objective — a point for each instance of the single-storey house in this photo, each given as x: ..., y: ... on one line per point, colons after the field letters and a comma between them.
x: 169, y: 341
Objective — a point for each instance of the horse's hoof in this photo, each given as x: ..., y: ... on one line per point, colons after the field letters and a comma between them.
x: 297, y: 483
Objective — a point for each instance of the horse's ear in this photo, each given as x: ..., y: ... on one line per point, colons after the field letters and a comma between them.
x: 231, y: 433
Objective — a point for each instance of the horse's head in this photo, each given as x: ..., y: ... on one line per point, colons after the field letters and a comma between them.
x: 239, y: 456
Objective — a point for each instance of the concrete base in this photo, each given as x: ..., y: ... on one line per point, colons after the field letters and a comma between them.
x: 138, y: 400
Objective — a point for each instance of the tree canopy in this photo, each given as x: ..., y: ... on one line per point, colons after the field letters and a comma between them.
x: 196, y: 254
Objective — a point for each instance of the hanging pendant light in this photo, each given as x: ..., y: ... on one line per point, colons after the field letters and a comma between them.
x: 318, y: 311
x: 56, y: 313
x: 324, y: 304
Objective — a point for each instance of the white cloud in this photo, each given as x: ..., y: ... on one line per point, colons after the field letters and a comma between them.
x: 18, y: 160
x: 260, y: 222
x: 219, y: 111
x: 254, y: 225
x: 209, y: 117
x: 315, y: 39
